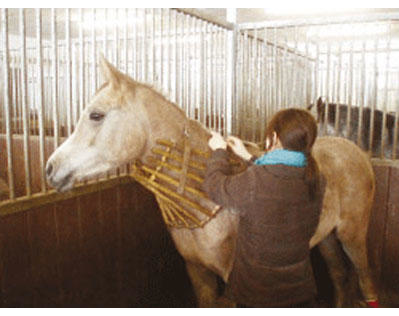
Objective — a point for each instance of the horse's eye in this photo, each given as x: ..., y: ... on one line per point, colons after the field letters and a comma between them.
x: 96, y: 116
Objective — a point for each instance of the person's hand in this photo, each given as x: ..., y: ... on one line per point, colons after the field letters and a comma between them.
x: 217, y: 141
x: 238, y: 147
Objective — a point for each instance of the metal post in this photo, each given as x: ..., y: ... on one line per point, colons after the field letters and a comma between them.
x: 40, y: 101
x: 385, y: 102
x: 25, y: 109
x: 68, y: 71
x: 230, y: 116
x: 7, y: 105
x: 374, y: 101
x: 81, y: 64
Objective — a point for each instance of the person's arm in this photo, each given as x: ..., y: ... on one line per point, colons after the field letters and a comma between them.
x: 223, y: 187
x: 238, y: 147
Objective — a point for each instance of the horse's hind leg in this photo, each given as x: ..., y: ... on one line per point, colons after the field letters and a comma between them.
x: 332, y: 253
x: 354, y: 243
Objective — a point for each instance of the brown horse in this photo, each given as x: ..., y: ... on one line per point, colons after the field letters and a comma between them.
x: 336, y: 115
x: 123, y: 122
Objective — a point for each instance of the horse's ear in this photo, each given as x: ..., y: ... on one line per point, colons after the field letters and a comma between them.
x: 109, y: 72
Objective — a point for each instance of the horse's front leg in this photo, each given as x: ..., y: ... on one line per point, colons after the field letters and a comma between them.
x: 206, y: 288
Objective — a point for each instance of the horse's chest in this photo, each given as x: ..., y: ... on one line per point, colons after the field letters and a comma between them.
x: 213, y: 245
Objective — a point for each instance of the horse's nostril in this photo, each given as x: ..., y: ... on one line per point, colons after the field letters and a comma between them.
x: 49, y: 169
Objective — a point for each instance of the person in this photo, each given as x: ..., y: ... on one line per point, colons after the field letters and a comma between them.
x: 279, y: 200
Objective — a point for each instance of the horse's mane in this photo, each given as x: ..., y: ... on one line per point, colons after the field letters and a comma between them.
x: 194, y: 124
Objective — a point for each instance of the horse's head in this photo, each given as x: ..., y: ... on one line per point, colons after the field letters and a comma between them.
x: 319, y: 110
x: 112, y: 130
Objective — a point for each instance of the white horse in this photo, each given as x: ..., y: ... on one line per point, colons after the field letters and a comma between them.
x: 122, y: 123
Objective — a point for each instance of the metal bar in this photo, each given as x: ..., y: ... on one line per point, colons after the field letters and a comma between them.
x: 176, y: 65
x: 308, y: 81
x: 340, y: 72
x: 15, y: 114
x: 153, y: 54
x: 191, y: 66
x: 255, y: 90
x: 185, y: 52
x: 24, y: 101
x: 116, y: 40
x: 136, y: 46
x: 105, y: 34
x: 169, y: 64
x: 161, y: 42
x: 239, y: 100
x: 81, y: 64
x: 260, y: 90
x: 229, y: 71
x: 125, y: 40
x: 361, y: 18
x: 93, y: 53
x: 208, y: 77
x: 245, y: 86
x: 202, y: 63
x: 187, y: 64
x: 385, y: 103
x: 275, y: 74
x: 284, y: 75
x: 54, y: 57
x: 68, y: 71
x: 226, y: 108
x: 144, y: 56
x: 191, y: 69
x: 182, y: 65
x: 327, y: 88
x: 267, y: 85
x: 40, y: 101
x: 316, y: 93
x: 74, y: 84
x: 197, y: 71
x: 219, y: 79
x: 7, y: 105
x: 293, y: 98
x: 350, y: 91
x: 362, y: 80
x: 217, y: 82
x: 205, y: 17
x: 212, y: 75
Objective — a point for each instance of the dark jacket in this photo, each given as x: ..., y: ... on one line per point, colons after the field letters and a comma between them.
x: 277, y: 219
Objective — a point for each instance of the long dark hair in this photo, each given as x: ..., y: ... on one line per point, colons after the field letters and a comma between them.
x: 297, y: 130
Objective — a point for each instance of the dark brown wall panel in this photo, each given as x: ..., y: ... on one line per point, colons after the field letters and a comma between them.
x: 390, y: 256
x: 383, y: 241
x: 104, y: 249
x: 378, y: 220
x: 17, y: 286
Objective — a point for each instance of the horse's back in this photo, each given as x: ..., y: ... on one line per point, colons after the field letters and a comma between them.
x: 342, y: 160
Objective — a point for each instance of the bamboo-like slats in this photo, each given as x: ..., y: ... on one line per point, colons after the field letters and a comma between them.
x: 188, y: 208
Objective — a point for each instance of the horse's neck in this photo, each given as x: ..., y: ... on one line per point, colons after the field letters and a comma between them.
x: 170, y: 123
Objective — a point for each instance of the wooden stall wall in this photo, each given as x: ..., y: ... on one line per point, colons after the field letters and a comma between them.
x: 105, y: 249
x: 383, y: 236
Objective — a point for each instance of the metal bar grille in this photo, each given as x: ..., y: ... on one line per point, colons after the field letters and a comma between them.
x: 232, y: 79
x: 51, y: 70
x: 345, y: 71
x: 272, y: 70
